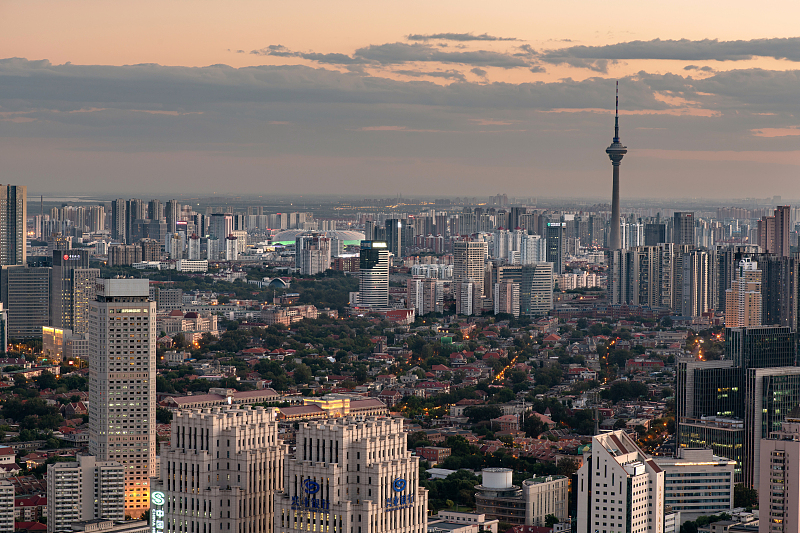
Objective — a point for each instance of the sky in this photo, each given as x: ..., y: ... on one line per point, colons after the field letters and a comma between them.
x: 443, y: 98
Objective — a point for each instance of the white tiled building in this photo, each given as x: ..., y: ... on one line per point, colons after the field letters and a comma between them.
x: 620, y: 489
x: 352, y: 475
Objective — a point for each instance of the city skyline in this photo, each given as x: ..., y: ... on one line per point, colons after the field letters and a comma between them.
x: 241, y: 99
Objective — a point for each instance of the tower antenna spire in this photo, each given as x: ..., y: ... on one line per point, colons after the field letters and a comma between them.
x: 616, y: 117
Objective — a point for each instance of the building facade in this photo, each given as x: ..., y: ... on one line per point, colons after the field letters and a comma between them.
x: 25, y: 293
x: 780, y: 480
x: 373, y: 275
x: 697, y: 482
x: 619, y: 488
x: 122, y: 388
x: 13, y: 224
x: 84, y: 490
x: 352, y: 475
x: 221, y: 471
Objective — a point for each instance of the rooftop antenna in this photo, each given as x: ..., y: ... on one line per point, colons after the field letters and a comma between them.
x: 616, y: 117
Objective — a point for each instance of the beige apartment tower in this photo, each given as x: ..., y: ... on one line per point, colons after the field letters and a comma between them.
x: 221, y: 471
x: 352, y: 475
x: 743, y: 299
x: 468, y: 263
x: 122, y: 384
x: 84, y: 490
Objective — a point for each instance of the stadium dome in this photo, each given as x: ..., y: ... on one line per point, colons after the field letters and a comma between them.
x: 290, y: 235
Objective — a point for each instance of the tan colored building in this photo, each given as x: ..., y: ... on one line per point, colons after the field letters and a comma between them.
x: 743, y: 299
x: 122, y: 384
x: 349, y: 474
x: 221, y: 471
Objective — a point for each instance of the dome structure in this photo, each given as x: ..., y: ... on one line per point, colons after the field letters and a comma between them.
x: 290, y: 235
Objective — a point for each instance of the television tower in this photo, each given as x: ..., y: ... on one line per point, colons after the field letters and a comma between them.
x: 615, y: 153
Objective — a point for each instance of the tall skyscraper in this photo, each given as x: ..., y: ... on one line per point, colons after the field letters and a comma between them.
x: 172, y: 212
x: 155, y: 210
x: 221, y: 225
x: 134, y: 210
x: 373, y: 275
x: 25, y: 293
x: 555, y: 245
x: 743, y: 299
x: 72, y: 285
x: 468, y: 263
x: 506, y: 298
x: 229, y: 463
x: 118, y: 219
x: 536, y: 289
x: 13, y: 224
x: 615, y: 153
x: 394, y: 236
x: 773, y: 232
x: 654, y: 234
x: 683, y: 228
x: 122, y: 384
x: 731, y: 405
x: 347, y: 472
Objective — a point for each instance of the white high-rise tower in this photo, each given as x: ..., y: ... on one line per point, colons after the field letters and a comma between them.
x: 122, y: 384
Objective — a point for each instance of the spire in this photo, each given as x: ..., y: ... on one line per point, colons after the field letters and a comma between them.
x: 616, y: 118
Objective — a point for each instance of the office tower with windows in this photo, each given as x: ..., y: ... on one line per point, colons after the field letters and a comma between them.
x: 555, y: 245
x: 655, y: 234
x: 771, y: 394
x: 172, y: 212
x: 761, y: 347
x: 155, y: 210
x: 134, y: 210
x: 468, y: 263
x: 731, y: 405
x: 536, y: 289
x: 683, y: 228
x: 697, y: 482
x: 25, y: 294
x: 351, y: 475
x: 87, y: 489
x: 373, y: 275
x: 71, y: 289
x: 221, y: 225
x: 122, y: 335
x: 619, y: 487
x: 394, y: 236
x: 221, y: 471
x: 118, y: 219
x: 13, y: 224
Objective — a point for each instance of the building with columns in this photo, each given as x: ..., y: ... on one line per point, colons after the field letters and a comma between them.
x: 352, y: 475
x: 221, y: 471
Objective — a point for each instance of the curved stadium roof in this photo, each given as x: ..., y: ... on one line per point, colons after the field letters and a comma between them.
x: 288, y: 236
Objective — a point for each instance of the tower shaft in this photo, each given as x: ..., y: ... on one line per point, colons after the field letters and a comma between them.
x: 615, y: 241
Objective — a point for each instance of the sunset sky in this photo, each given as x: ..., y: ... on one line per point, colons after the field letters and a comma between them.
x: 385, y: 97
